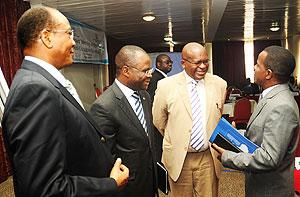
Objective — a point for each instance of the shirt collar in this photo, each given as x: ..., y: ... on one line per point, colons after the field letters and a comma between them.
x: 164, y: 74
x: 266, y: 91
x: 189, y: 79
x: 126, y: 90
x: 49, y: 68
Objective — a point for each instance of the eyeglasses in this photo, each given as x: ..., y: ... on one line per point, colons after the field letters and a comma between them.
x: 67, y: 31
x: 205, y: 62
x: 146, y: 72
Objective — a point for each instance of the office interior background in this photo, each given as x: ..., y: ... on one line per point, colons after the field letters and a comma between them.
x: 233, y: 32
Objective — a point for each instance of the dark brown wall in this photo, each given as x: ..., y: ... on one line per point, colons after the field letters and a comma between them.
x: 113, y: 46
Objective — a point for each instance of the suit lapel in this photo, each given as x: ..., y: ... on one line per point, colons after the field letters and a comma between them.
x: 126, y: 107
x: 208, y: 95
x: 159, y: 75
x: 36, y: 68
x: 261, y: 104
x: 182, y: 90
x: 256, y: 112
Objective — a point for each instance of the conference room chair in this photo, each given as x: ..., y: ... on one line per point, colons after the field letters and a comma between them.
x: 241, y: 113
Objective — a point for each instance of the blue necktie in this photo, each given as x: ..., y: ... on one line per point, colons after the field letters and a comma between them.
x: 139, y: 110
x: 197, y: 138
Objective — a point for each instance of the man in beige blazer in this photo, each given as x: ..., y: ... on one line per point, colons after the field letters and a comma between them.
x: 192, y: 171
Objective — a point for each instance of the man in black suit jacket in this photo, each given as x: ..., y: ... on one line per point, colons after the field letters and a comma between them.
x: 55, y: 147
x: 163, y: 66
x: 130, y: 137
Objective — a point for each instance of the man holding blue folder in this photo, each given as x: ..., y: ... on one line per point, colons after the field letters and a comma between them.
x: 186, y: 109
x: 273, y: 126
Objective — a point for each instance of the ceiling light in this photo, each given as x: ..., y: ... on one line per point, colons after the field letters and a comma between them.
x: 168, y: 38
x: 274, y: 26
x: 149, y: 16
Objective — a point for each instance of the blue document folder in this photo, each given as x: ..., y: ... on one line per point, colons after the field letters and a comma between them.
x: 229, y: 138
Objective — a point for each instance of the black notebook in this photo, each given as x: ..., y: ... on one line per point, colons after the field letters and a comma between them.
x: 224, y: 143
x: 162, y: 178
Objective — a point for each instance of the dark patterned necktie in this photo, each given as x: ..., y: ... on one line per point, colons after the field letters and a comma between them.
x: 139, y: 110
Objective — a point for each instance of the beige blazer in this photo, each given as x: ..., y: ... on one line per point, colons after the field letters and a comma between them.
x: 172, y: 116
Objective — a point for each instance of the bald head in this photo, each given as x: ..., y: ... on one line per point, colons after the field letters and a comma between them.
x: 195, y: 60
x: 191, y: 48
x: 129, y: 56
x: 133, y: 67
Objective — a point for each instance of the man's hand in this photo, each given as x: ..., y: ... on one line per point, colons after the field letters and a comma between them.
x: 120, y: 173
x: 218, y: 149
x: 233, y: 124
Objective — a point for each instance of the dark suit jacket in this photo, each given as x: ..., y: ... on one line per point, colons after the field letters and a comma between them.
x: 127, y: 138
x: 54, y: 145
x: 158, y: 138
x: 156, y: 76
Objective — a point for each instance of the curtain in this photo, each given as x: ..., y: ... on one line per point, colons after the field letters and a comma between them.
x: 10, y: 53
x: 10, y: 58
x: 229, y: 62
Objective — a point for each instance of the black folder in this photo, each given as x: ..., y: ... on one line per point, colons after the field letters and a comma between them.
x: 229, y: 138
x: 162, y: 178
x: 224, y: 143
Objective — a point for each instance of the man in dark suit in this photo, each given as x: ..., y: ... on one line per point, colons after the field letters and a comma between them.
x: 124, y: 113
x: 163, y: 66
x: 55, y: 147
x: 273, y: 126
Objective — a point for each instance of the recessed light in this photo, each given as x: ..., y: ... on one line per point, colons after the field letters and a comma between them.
x: 274, y: 26
x: 149, y: 16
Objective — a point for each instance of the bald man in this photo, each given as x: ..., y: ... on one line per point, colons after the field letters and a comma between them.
x: 163, y: 67
x: 186, y: 110
x: 124, y: 113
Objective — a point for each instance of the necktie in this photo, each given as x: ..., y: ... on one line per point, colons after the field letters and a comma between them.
x: 197, y: 138
x: 139, y: 110
x: 71, y: 89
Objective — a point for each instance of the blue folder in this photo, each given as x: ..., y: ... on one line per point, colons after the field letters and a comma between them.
x: 229, y: 138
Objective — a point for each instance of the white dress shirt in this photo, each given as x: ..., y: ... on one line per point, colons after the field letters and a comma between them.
x: 127, y: 92
x: 201, y: 93
x: 57, y: 75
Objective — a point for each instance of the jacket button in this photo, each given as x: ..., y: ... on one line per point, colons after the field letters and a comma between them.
x: 102, y: 139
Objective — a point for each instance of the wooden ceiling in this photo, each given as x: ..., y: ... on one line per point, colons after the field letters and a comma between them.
x: 192, y: 20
